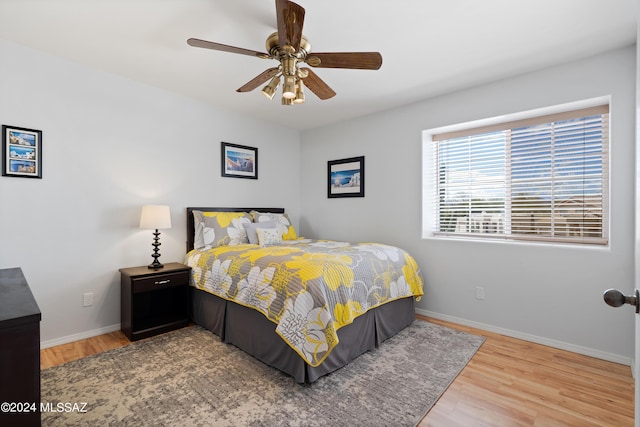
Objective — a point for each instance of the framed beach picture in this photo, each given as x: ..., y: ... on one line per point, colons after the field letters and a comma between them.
x: 239, y: 161
x: 22, y: 152
x: 346, y: 177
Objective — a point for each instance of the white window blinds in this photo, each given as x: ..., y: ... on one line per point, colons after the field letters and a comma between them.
x: 544, y: 178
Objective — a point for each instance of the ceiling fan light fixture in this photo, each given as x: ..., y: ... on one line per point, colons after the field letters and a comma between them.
x: 299, y: 99
x: 289, y: 87
x: 287, y: 101
x: 270, y: 90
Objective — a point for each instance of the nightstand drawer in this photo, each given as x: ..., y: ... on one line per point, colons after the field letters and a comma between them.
x: 169, y: 280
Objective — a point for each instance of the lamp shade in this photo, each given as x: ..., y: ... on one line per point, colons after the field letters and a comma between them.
x: 155, y: 217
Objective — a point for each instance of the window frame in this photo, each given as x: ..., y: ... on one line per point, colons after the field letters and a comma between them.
x: 431, y: 172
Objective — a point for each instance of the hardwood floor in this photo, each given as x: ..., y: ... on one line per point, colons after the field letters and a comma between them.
x: 509, y: 382
x: 60, y: 354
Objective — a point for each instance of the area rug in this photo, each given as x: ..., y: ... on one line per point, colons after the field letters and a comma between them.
x: 190, y: 378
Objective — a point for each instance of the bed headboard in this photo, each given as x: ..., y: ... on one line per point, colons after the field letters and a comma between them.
x: 191, y: 225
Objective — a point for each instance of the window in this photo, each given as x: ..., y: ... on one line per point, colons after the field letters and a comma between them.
x: 543, y: 178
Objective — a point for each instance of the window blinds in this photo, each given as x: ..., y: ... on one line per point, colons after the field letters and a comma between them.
x: 544, y: 178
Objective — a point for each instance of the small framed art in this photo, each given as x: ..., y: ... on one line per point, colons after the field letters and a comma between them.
x: 239, y: 161
x: 346, y: 177
x: 22, y: 152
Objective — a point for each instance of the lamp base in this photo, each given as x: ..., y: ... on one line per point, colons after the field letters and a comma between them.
x: 155, y: 265
x: 156, y: 253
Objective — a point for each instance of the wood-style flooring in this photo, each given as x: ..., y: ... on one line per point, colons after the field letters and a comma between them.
x: 509, y: 382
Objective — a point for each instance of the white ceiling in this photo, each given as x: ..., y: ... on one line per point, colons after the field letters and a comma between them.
x: 428, y: 47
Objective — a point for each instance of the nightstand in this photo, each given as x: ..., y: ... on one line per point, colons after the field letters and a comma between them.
x: 154, y: 301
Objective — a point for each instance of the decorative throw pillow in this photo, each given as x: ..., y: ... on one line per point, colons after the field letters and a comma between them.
x: 251, y: 227
x: 283, y: 223
x: 268, y: 236
x: 219, y: 228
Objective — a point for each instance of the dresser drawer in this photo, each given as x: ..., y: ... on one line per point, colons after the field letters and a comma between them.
x: 169, y: 280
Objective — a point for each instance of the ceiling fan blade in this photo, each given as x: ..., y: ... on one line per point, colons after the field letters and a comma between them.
x: 290, y: 21
x: 225, y: 48
x: 354, y: 60
x: 317, y: 85
x: 258, y: 80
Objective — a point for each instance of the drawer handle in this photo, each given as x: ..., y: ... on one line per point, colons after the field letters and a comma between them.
x: 162, y: 282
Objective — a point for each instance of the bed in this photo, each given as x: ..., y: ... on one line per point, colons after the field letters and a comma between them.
x: 306, y: 307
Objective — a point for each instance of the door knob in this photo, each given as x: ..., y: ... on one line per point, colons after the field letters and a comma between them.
x: 615, y: 298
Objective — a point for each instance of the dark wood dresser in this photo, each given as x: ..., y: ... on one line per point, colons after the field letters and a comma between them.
x: 19, y: 351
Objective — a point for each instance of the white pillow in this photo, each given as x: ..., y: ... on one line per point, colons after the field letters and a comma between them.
x: 269, y: 236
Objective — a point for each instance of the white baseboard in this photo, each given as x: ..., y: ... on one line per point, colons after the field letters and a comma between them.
x: 81, y: 336
x: 532, y: 338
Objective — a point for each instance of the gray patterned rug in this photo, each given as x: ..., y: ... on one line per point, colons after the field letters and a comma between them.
x: 189, y: 378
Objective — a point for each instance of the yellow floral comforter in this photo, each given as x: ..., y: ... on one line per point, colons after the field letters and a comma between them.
x: 308, y: 288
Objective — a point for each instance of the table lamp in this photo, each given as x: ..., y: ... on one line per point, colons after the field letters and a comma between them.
x: 155, y: 217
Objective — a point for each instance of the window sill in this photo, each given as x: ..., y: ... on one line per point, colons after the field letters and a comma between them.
x: 516, y: 243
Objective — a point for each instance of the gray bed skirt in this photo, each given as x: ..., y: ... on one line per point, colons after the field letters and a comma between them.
x: 252, y: 332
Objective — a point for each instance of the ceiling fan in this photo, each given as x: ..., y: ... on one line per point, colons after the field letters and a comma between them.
x: 292, y: 49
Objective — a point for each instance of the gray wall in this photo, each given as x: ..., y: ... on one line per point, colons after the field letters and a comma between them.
x: 546, y: 293
x: 109, y: 146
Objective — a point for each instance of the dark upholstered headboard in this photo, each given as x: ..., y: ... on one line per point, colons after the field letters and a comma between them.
x: 191, y: 226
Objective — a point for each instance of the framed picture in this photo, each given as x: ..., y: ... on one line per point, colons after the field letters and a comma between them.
x: 346, y: 177
x: 239, y: 161
x: 22, y: 152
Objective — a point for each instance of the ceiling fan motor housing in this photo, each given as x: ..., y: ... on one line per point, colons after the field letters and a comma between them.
x: 275, y: 50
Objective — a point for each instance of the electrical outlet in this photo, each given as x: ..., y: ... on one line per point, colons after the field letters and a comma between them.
x: 479, y: 292
x: 87, y: 299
